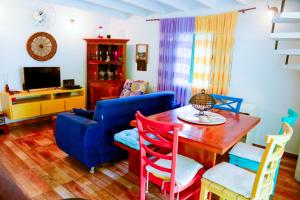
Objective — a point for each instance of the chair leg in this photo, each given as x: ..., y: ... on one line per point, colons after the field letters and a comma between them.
x: 275, y: 178
x: 142, y: 184
x: 203, y: 191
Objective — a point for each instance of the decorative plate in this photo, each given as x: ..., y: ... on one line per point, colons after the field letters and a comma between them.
x: 209, y: 118
x: 41, y: 46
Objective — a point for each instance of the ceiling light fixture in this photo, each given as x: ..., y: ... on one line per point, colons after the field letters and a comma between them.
x: 72, y: 21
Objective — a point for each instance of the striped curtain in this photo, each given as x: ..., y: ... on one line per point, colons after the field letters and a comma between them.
x: 214, y: 40
x: 201, y: 69
x: 175, y: 53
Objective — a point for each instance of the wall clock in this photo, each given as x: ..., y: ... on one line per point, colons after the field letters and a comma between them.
x: 41, y: 46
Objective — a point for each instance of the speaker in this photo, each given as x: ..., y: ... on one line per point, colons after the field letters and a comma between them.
x: 68, y: 83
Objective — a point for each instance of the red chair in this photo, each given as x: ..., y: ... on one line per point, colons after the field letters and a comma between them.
x: 162, y: 165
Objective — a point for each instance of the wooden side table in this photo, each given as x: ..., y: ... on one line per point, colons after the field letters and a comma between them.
x: 3, y: 126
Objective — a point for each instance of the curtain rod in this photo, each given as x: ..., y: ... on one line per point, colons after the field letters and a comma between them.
x: 241, y: 11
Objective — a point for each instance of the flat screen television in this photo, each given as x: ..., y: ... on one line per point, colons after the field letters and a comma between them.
x: 41, y: 77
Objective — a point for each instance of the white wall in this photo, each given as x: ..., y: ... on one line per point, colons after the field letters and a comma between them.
x: 139, y: 32
x: 17, y: 25
x: 257, y: 73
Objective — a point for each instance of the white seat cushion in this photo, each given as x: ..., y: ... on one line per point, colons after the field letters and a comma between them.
x: 247, y: 151
x: 186, y: 169
x: 231, y: 177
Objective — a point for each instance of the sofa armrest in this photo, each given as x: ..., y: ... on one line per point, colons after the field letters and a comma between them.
x: 67, y: 120
x: 69, y: 133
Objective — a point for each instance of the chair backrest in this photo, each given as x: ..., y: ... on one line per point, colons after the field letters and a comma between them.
x: 228, y: 103
x: 147, y: 129
x: 264, y: 179
x: 291, y: 119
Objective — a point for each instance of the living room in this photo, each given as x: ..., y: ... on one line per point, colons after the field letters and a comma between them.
x: 264, y: 78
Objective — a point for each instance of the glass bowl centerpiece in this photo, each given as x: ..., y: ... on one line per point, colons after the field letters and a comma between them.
x: 202, y: 102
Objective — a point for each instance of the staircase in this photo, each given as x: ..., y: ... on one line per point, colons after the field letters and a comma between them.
x: 286, y: 17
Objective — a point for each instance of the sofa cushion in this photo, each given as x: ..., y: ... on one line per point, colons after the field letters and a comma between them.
x: 133, y: 88
x: 130, y: 137
x: 231, y: 177
x: 183, y: 176
x: 247, y: 151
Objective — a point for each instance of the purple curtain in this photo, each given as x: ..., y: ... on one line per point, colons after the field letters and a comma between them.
x: 175, y: 52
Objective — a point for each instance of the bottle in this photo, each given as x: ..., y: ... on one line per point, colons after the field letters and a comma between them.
x: 6, y: 88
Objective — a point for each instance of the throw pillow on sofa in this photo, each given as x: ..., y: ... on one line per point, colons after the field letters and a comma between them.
x: 134, y: 88
x: 84, y: 113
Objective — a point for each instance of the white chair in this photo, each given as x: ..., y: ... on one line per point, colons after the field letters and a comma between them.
x: 232, y: 182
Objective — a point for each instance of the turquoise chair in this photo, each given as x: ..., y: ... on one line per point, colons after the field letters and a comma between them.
x: 248, y: 156
x: 228, y: 103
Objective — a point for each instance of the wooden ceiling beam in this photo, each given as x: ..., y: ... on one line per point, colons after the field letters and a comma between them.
x: 177, y: 4
x: 153, y: 6
x: 207, y: 3
x: 84, y: 5
x: 243, y: 2
x: 121, y: 6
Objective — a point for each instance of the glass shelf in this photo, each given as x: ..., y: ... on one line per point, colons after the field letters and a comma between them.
x: 98, y: 62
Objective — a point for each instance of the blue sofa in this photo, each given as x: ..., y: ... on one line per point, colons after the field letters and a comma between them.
x: 91, y: 140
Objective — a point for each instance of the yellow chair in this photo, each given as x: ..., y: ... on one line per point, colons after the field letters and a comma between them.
x: 231, y: 182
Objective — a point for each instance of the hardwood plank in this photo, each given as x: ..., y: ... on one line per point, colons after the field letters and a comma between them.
x: 78, y: 190
x: 46, y: 177
x: 52, y: 195
x: 72, y: 173
x: 63, y: 192
x: 43, y: 171
x: 25, y: 184
x: 56, y: 174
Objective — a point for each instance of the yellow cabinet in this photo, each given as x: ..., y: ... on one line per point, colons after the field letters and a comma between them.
x: 26, y: 110
x: 75, y: 102
x: 55, y: 106
x: 24, y: 105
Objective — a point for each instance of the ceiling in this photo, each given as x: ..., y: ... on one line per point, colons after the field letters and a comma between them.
x: 144, y: 8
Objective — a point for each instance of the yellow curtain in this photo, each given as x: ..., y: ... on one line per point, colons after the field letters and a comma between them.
x: 214, y: 40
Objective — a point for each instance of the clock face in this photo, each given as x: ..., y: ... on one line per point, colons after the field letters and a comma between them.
x: 41, y: 46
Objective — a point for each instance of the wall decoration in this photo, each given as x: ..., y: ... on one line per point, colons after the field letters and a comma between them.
x: 44, y: 16
x: 41, y: 46
x: 142, y: 56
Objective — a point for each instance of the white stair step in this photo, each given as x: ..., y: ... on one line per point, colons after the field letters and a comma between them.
x: 285, y: 36
x: 287, y: 17
x: 292, y: 66
x: 292, y: 52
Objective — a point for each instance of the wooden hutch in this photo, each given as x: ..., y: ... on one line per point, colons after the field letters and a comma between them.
x: 106, y: 68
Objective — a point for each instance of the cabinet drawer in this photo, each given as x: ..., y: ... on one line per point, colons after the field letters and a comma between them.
x: 26, y: 110
x: 54, y: 106
x: 75, y: 102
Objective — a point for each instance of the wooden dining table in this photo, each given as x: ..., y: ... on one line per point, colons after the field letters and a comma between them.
x: 204, y: 142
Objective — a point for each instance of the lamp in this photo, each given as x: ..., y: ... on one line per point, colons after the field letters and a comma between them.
x: 273, y: 10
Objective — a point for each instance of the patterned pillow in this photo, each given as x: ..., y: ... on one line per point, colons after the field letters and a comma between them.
x: 133, y: 88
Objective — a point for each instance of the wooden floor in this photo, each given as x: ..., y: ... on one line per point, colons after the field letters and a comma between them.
x: 32, y: 167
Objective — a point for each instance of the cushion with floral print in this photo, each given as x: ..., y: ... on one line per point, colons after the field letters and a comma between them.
x: 133, y: 88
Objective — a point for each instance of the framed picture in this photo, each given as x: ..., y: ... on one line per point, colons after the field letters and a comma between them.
x: 141, y: 56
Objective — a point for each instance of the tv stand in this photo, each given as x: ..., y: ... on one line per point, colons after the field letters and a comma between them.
x: 26, y: 105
